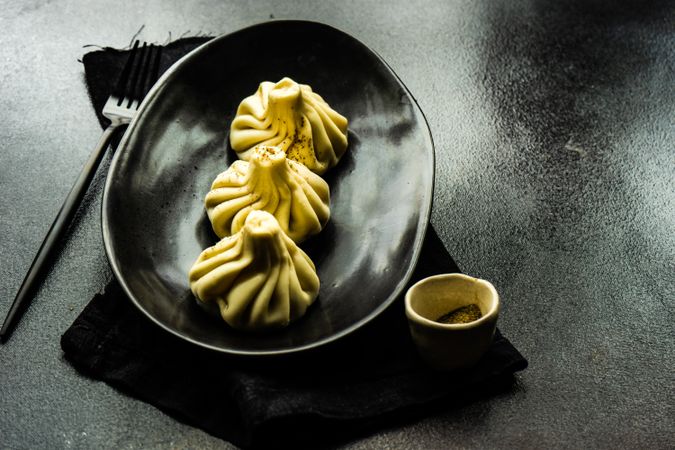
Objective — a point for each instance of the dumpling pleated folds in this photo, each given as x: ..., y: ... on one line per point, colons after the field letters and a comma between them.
x: 291, y: 116
x: 268, y: 181
x: 258, y: 278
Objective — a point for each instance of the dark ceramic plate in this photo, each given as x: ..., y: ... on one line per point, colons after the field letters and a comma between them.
x: 154, y: 224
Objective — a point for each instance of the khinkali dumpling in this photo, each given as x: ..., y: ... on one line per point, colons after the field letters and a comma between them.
x: 258, y: 278
x: 268, y: 181
x: 291, y: 116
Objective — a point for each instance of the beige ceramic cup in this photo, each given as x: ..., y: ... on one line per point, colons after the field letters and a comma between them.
x: 451, y: 346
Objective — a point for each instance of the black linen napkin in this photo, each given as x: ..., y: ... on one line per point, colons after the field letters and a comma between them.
x: 365, y: 380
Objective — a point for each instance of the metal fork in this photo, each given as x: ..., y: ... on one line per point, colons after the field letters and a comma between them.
x: 139, y: 74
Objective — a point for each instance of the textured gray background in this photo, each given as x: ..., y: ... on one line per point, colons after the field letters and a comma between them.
x: 554, y: 130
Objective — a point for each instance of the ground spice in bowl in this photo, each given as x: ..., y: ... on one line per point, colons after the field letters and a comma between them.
x: 464, y: 314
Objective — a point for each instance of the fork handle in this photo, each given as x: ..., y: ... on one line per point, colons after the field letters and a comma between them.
x: 56, y: 231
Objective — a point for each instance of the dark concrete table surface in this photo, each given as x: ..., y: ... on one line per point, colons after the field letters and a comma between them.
x: 555, y: 144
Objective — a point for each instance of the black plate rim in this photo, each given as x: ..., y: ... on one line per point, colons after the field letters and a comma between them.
x: 425, y: 215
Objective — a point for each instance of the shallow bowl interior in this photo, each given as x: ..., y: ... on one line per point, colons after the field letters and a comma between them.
x: 154, y: 224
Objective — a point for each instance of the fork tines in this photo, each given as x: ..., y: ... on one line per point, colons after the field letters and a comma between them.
x: 139, y: 74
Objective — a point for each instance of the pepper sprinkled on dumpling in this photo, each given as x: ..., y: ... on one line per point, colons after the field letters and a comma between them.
x: 297, y: 197
x: 296, y: 119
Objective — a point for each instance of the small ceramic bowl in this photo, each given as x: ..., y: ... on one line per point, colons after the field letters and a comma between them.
x: 451, y: 346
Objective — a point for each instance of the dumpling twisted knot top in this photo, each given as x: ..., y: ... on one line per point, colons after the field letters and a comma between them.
x: 257, y: 278
x: 298, y: 198
x: 289, y: 115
